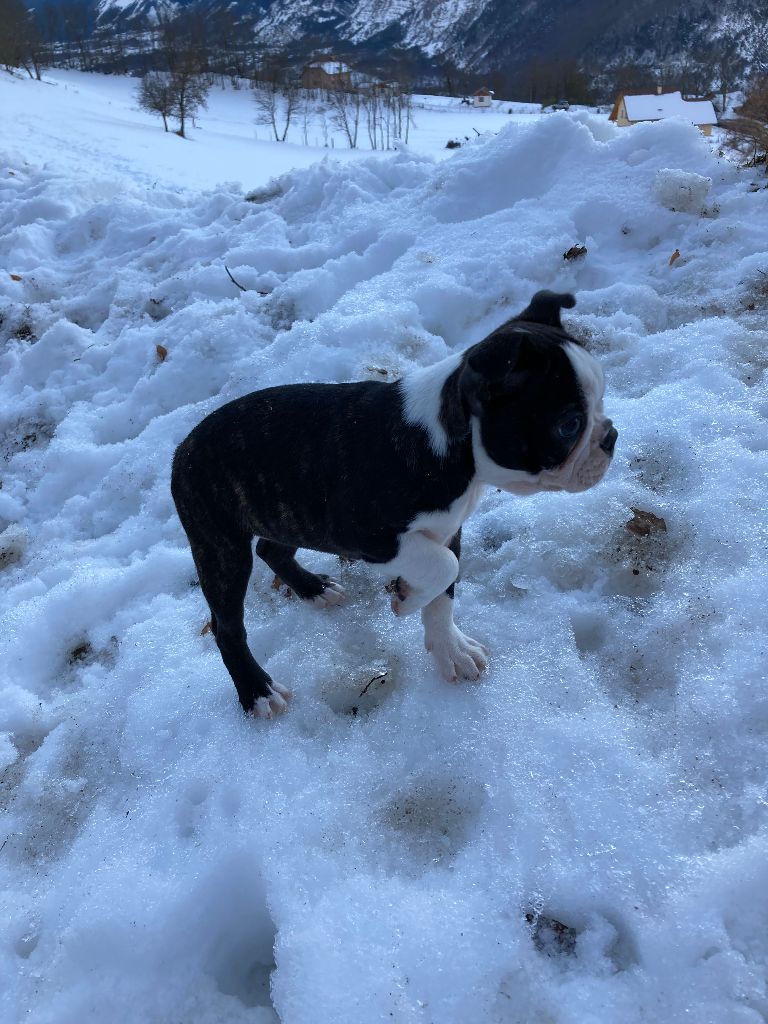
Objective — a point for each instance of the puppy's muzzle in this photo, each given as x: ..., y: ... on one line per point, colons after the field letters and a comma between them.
x: 608, y: 442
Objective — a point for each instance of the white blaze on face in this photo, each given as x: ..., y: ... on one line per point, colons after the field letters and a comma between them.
x: 587, y: 462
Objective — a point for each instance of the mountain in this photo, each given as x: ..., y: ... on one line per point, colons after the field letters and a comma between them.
x: 489, y: 35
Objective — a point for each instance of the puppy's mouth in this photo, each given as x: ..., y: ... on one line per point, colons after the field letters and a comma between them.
x: 588, y: 462
x: 586, y: 466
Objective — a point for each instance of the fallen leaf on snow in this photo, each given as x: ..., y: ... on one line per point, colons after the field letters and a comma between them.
x: 644, y: 523
x: 575, y: 252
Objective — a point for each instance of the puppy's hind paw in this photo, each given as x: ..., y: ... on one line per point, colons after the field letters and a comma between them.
x: 333, y: 594
x: 274, y: 704
x: 458, y: 656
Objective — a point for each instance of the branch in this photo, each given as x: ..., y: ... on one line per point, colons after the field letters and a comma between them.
x: 233, y: 280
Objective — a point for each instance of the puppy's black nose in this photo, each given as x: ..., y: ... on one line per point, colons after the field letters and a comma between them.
x: 609, y: 441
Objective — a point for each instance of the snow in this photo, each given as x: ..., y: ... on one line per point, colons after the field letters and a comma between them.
x: 94, y: 120
x: 332, y: 67
x: 165, y: 859
x: 669, y: 104
x: 681, y: 190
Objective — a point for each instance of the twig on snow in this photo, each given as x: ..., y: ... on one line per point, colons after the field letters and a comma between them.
x: 233, y: 280
x: 381, y: 676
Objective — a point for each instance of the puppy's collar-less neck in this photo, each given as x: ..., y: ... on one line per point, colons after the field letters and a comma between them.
x: 424, y: 393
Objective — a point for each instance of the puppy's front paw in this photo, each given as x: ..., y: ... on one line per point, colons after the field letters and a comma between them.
x: 333, y: 594
x: 458, y: 656
x: 275, y: 703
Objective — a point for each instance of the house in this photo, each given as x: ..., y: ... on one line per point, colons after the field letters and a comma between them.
x: 482, y: 98
x: 326, y: 73
x: 630, y: 109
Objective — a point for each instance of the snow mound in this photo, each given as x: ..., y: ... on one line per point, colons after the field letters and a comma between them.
x: 681, y: 190
x: 580, y: 836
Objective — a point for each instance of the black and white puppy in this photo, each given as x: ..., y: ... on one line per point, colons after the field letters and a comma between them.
x: 387, y: 473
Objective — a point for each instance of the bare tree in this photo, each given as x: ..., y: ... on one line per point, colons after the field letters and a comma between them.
x: 178, y: 93
x: 748, y: 130
x: 373, y: 115
x: 400, y: 98
x: 156, y: 95
x: 346, y: 110
x: 388, y: 110
x: 453, y: 81
x: 306, y: 113
x: 695, y: 75
x: 729, y: 69
x: 725, y: 68
x: 77, y: 17
x: 402, y: 102
x: 190, y: 90
x: 276, y: 94
x: 21, y: 45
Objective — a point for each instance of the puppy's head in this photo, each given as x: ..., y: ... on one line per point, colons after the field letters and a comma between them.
x: 533, y: 398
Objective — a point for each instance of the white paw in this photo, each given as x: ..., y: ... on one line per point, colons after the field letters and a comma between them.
x: 276, y: 703
x: 333, y: 595
x: 458, y: 656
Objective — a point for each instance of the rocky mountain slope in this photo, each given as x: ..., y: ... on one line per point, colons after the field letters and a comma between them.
x: 484, y: 35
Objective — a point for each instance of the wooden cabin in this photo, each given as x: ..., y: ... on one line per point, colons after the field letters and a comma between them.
x: 631, y: 109
x: 326, y: 73
x: 482, y: 98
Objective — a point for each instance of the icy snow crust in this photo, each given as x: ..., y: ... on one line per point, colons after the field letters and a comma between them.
x: 162, y: 856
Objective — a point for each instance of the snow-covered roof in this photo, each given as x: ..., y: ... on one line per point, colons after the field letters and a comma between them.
x: 332, y: 67
x: 669, y: 104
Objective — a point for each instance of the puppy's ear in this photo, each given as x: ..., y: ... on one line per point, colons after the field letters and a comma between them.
x: 463, y: 396
x: 493, y: 369
x: 544, y: 308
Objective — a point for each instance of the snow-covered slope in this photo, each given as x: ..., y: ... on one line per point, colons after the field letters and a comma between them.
x: 94, y: 120
x: 393, y: 848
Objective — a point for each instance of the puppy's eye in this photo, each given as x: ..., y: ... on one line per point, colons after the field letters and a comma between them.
x: 571, y: 427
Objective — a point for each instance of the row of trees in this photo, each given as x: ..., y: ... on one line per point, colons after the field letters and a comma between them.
x: 187, y: 61
x: 379, y: 111
x: 384, y: 109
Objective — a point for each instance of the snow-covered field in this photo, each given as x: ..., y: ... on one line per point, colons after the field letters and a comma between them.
x: 580, y: 838
x: 75, y: 120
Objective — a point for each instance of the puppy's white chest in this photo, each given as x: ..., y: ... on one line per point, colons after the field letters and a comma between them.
x: 441, y: 526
